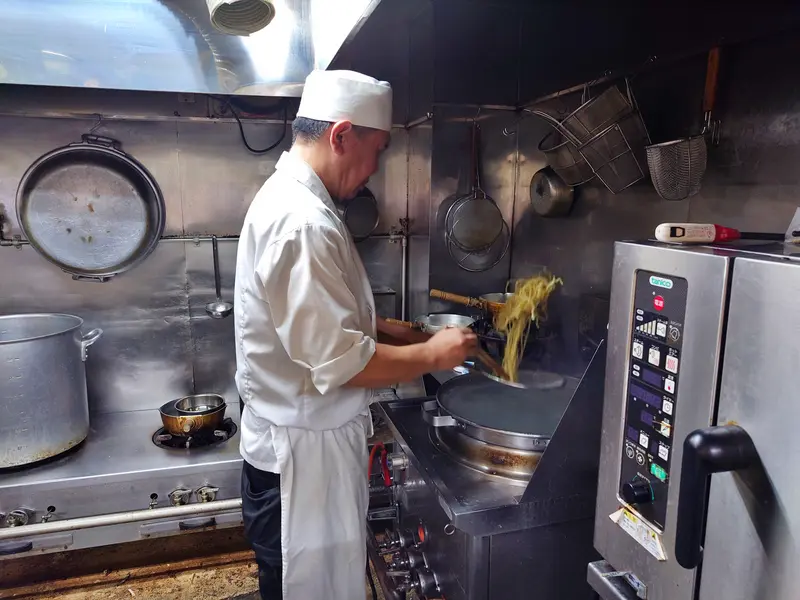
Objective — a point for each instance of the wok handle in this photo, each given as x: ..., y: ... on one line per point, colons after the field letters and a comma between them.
x: 458, y: 299
x: 490, y: 362
x: 400, y: 323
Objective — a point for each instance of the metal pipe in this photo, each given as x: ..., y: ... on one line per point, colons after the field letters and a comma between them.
x: 134, y: 516
x: 404, y: 279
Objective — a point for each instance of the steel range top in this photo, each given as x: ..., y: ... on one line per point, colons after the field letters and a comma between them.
x: 120, y: 486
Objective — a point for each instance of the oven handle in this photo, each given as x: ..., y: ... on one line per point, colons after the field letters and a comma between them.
x: 706, y: 451
x: 134, y: 516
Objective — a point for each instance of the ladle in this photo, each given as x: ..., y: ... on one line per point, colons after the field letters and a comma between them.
x: 217, y: 309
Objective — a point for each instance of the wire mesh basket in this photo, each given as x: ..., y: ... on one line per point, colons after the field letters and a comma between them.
x: 677, y: 167
x: 617, y: 154
x: 564, y: 158
x: 599, y: 113
x: 610, y: 136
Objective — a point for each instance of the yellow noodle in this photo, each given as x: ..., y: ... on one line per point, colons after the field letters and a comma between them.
x: 528, y: 304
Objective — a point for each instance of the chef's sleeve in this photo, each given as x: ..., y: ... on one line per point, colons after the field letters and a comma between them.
x: 315, y: 314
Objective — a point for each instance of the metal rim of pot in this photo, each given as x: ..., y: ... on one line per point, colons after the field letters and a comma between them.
x: 449, y: 320
x: 102, y: 153
x: 181, y: 404
x: 436, y: 413
x: 186, y: 424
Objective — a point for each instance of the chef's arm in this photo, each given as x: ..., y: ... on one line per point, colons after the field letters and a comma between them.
x: 397, y: 335
x: 399, y: 364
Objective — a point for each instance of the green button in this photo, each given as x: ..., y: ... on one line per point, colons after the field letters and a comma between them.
x: 658, y: 471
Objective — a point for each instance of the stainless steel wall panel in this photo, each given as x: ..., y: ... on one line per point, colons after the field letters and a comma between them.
x: 388, y: 184
x: 159, y: 343
x: 213, y: 355
x: 144, y: 356
x: 219, y: 177
x: 419, y: 214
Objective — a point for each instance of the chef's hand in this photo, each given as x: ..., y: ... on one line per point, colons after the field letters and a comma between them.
x: 451, y: 347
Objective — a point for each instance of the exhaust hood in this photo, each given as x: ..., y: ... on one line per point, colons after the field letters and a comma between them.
x: 170, y: 45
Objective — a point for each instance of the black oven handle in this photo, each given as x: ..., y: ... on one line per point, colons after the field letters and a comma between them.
x: 706, y: 451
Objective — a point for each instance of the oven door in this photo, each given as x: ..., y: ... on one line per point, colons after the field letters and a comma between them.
x: 753, y: 522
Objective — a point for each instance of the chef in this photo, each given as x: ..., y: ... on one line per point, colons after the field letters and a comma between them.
x: 309, y: 348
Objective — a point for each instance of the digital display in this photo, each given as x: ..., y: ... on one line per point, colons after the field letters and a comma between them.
x: 642, y: 394
x: 633, y: 434
x: 651, y: 377
x: 647, y: 418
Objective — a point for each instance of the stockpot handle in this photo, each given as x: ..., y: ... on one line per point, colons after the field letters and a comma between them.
x: 89, y: 339
x: 430, y: 416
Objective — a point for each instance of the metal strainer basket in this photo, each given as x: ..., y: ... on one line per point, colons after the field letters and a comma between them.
x: 677, y: 167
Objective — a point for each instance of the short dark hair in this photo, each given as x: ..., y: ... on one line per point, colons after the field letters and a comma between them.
x: 308, y: 130
x: 311, y: 130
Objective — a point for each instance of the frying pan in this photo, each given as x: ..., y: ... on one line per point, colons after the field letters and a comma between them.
x: 361, y: 215
x: 90, y: 209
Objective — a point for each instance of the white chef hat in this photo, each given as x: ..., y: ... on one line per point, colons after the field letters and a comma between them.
x: 347, y: 96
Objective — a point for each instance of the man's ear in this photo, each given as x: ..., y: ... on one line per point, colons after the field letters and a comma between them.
x: 339, y: 135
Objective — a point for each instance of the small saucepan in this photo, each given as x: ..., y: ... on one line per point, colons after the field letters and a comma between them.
x: 191, y: 414
x: 437, y: 322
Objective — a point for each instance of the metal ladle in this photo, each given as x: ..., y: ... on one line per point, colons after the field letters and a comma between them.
x: 217, y: 309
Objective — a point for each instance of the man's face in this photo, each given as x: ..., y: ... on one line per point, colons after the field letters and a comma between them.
x: 358, y: 153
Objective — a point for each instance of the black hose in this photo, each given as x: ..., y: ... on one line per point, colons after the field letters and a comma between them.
x: 372, y: 589
x: 271, y: 146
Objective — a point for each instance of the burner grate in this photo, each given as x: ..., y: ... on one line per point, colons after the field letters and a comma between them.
x: 202, y: 439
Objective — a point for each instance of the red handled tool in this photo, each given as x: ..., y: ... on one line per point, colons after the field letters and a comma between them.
x: 706, y: 233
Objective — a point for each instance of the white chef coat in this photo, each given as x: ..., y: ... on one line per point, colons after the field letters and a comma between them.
x: 304, y: 312
x: 305, y: 325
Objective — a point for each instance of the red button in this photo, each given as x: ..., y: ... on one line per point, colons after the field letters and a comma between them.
x: 658, y: 303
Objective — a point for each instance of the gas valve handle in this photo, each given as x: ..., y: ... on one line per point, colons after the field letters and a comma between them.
x: 706, y: 451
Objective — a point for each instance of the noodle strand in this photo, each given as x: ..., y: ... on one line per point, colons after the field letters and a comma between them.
x: 527, y: 305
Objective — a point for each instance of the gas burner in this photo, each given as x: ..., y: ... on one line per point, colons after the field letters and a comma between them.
x: 202, y: 439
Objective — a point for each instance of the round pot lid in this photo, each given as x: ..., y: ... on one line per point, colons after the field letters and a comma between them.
x: 484, y: 403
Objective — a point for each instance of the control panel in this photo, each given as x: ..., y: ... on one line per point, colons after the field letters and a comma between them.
x: 652, y: 393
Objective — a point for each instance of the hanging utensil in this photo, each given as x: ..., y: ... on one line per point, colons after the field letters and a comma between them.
x: 677, y: 167
x: 707, y: 233
x: 361, y: 215
x: 218, y: 309
x: 485, y: 305
x: 473, y: 222
x: 550, y: 196
x: 90, y: 209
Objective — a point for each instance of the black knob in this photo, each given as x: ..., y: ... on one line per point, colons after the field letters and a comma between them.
x: 637, y: 491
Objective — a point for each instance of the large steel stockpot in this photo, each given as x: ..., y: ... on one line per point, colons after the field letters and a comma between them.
x: 44, y: 409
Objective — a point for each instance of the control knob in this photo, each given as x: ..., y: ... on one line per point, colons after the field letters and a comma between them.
x: 637, y: 491
x: 397, y: 461
x: 423, y: 582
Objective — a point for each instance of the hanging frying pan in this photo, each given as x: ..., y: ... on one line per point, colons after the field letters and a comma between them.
x: 91, y: 209
x: 360, y: 215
